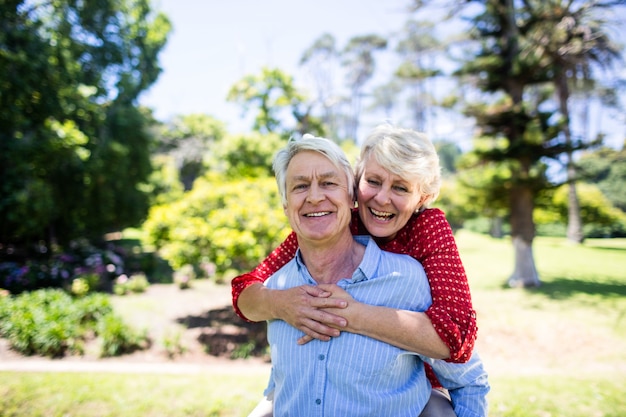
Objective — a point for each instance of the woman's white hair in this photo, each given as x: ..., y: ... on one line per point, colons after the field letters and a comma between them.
x: 405, y: 153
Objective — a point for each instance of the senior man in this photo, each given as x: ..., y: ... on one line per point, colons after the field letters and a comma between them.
x: 353, y: 374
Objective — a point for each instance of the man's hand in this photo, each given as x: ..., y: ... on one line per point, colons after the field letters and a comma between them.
x: 311, y: 309
x: 338, y: 296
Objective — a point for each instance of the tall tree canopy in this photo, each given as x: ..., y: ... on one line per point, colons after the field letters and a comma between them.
x: 73, y: 147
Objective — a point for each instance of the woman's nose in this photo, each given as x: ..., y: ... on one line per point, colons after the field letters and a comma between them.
x: 382, y: 196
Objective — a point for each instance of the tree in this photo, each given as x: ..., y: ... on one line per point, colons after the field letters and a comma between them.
x: 606, y: 168
x: 360, y: 65
x: 570, y: 38
x: 188, y: 140
x: 418, y: 50
x: 321, y: 60
x: 273, y: 92
x: 73, y: 145
x: 509, y: 69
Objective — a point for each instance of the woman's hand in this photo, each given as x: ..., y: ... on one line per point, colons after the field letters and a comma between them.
x: 311, y: 309
x: 338, y: 296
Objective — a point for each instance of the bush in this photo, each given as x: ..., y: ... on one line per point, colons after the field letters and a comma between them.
x: 116, y: 338
x: 52, y: 323
x: 206, y: 225
x: 137, y: 283
x: 184, y: 276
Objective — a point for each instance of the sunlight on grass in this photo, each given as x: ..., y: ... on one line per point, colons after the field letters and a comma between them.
x: 120, y: 395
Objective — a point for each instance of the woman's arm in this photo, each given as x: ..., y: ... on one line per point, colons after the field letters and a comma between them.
x: 300, y: 306
x: 405, y: 329
x: 451, y: 313
x: 274, y: 261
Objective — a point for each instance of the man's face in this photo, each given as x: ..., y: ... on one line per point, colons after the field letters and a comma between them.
x: 318, y: 202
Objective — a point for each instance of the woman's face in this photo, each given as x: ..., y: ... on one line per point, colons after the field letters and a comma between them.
x: 386, y: 201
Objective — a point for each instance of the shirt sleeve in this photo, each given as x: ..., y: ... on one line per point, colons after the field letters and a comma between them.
x: 467, y: 384
x: 451, y: 313
x: 275, y: 260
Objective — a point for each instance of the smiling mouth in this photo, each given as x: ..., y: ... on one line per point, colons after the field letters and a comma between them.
x: 381, y: 215
x: 317, y: 214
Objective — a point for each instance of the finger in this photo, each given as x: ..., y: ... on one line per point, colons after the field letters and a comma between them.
x: 329, y: 303
x: 318, y: 330
x: 304, y: 340
x: 315, y: 291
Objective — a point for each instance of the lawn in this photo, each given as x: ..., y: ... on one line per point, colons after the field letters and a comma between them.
x: 555, y: 351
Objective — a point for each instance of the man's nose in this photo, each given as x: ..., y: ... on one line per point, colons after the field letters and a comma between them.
x: 315, y: 194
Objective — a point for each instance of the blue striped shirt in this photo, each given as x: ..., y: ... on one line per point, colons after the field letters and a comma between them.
x: 354, y: 375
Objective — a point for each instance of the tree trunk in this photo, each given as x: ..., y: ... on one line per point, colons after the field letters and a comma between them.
x: 523, y: 232
x: 574, y: 221
x: 525, y: 274
x: 495, y: 230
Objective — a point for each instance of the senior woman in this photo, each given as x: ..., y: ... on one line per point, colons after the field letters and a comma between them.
x: 398, y: 176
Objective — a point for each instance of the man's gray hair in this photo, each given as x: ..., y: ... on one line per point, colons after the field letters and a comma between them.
x: 308, y: 142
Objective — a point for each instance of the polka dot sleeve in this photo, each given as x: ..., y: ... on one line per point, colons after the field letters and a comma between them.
x: 276, y: 260
x: 428, y: 238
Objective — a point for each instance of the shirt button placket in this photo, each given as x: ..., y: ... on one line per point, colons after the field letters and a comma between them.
x: 320, y: 378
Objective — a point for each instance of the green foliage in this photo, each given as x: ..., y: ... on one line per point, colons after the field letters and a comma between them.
x: 71, y: 73
x: 606, y: 168
x: 232, y: 223
x: 50, y: 322
x: 599, y: 217
x: 185, y: 146
x: 251, y: 155
x: 137, y: 283
x: 274, y: 95
x: 117, y: 338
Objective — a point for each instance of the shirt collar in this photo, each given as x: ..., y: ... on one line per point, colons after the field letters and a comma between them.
x: 365, y: 270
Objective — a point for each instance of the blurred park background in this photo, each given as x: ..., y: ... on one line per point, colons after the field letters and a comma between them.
x: 101, y: 198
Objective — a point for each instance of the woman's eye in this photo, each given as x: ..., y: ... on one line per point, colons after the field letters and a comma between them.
x: 373, y: 182
x: 400, y: 189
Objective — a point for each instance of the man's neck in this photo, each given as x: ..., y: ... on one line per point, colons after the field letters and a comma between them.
x: 329, y: 263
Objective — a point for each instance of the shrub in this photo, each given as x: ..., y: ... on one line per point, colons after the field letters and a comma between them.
x: 52, y: 323
x: 184, y: 276
x: 137, y: 283
x: 117, y: 338
x: 206, y: 225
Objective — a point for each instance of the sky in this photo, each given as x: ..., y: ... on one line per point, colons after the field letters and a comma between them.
x: 214, y: 43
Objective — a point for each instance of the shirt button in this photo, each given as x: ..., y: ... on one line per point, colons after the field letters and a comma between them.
x: 318, y: 401
x: 321, y: 357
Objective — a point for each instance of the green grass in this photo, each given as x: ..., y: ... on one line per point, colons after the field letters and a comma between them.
x: 555, y: 351
x: 118, y: 395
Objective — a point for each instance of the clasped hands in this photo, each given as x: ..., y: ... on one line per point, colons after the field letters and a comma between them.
x: 321, y: 311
